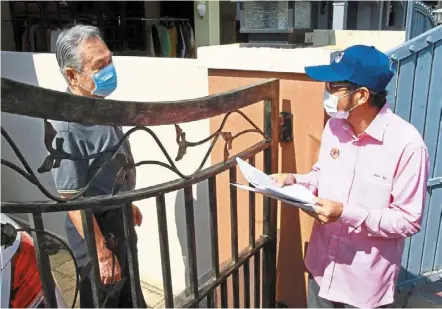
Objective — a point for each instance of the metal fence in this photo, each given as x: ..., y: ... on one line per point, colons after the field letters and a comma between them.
x: 415, y: 94
x: 33, y: 101
x: 419, y: 19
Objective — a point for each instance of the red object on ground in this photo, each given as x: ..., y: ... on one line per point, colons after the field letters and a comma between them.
x: 26, y: 289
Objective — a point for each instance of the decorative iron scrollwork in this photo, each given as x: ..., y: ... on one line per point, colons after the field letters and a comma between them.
x: 57, y: 154
x: 181, y: 141
x: 59, y: 106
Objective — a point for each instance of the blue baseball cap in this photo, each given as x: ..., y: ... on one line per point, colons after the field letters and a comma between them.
x: 362, y: 65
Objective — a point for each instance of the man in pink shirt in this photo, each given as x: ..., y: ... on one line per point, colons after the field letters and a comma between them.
x: 370, y: 179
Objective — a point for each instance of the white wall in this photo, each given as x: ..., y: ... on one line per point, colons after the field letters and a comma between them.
x: 140, y: 79
x: 28, y: 132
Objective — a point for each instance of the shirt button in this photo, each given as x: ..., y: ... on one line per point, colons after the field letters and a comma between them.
x: 334, y: 237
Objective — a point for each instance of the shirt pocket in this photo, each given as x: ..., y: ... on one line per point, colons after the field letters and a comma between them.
x: 371, y: 191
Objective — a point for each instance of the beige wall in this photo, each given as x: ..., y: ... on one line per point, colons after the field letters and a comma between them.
x: 302, y: 97
x: 140, y: 79
x: 231, y: 66
x: 341, y: 39
x: 263, y: 59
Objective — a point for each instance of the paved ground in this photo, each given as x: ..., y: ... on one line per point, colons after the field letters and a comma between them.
x: 425, y: 296
x: 64, y: 272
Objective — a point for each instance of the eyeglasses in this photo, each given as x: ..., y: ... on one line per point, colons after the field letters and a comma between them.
x: 333, y: 87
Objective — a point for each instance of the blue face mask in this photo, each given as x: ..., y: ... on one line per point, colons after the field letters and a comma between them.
x: 105, y: 81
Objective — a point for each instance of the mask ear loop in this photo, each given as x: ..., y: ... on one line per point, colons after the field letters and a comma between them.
x: 350, y: 93
x: 91, y: 91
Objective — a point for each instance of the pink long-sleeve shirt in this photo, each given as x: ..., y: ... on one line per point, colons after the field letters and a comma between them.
x: 380, y: 177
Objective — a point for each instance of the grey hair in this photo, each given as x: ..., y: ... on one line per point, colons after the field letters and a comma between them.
x: 67, y: 49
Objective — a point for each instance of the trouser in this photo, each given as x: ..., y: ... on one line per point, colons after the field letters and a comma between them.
x: 121, y: 300
x: 314, y: 301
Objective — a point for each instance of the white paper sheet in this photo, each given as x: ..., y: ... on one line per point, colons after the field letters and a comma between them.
x: 296, y: 195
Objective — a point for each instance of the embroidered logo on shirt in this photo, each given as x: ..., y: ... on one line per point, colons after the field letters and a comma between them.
x: 334, y: 153
x: 380, y: 176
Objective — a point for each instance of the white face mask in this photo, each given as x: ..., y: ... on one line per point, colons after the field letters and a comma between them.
x: 331, y: 105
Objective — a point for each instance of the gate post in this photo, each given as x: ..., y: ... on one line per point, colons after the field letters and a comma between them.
x: 271, y: 131
x: 94, y: 274
x: 43, y: 262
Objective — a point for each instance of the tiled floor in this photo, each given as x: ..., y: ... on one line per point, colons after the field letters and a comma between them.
x: 64, y: 272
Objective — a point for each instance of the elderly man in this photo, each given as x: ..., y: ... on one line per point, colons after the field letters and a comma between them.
x: 371, y: 180
x: 86, y: 63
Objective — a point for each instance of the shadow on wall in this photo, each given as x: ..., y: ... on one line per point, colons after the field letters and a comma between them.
x: 202, y: 235
x: 290, y: 242
x: 28, y: 135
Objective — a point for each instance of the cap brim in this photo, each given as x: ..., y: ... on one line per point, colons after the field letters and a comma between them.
x: 323, y: 73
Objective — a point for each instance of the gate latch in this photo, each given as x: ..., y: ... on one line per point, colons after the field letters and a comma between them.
x: 285, y: 127
x: 434, y: 182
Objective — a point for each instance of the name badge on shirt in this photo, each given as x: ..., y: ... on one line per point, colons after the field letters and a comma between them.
x: 334, y: 153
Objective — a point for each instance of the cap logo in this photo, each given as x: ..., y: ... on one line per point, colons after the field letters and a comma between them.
x: 339, y: 57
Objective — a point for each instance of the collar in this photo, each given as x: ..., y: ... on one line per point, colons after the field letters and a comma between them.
x: 377, y: 127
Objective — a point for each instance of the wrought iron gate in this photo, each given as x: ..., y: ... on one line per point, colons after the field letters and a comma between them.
x: 33, y: 101
x: 415, y: 94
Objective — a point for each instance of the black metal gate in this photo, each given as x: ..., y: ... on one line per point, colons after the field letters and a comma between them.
x: 28, y: 100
